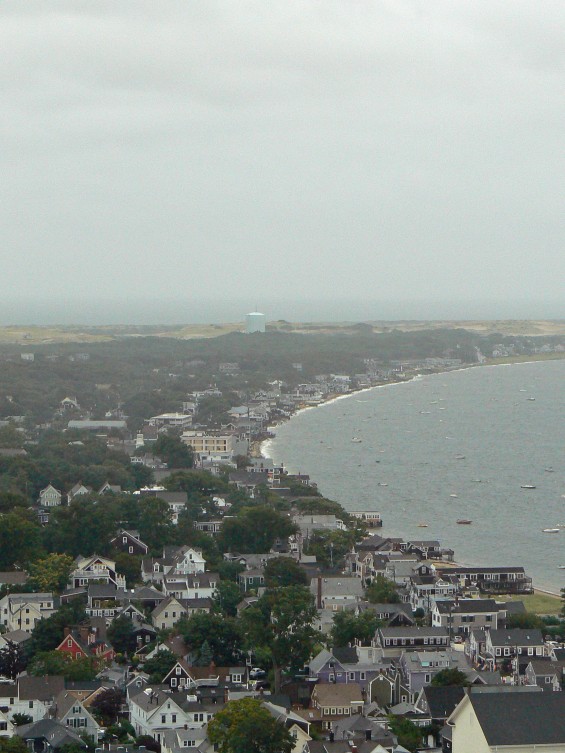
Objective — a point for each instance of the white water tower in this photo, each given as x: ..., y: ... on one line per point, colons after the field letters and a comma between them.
x: 255, y: 322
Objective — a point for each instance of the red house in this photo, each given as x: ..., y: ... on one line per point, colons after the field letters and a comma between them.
x: 84, y: 641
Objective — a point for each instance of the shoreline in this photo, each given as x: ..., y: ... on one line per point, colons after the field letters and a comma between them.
x: 263, y: 446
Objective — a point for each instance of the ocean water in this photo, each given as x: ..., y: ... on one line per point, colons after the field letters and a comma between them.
x: 445, y: 447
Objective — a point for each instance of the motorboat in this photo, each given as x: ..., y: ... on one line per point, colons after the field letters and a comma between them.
x: 527, y: 486
x: 464, y: 522
x: 550, y: 530
x: 356, y: 440
x: 422, y: 525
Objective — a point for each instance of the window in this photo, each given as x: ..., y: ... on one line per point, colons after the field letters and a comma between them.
x: 362, y: 675
x: 352, y: 675
x: 163, y: 718
x: 530, y: 651
x: 30, y: 704
x: 130, y: 550
x: 125, y: 539
x: 177, y: 670
x: 70, y: 642
x: 173, y: 682
x: 547, y: 680
x: 506, y: 651
x: 174, y: 718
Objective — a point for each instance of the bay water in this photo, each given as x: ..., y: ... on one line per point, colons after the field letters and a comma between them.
x: 445, y: 447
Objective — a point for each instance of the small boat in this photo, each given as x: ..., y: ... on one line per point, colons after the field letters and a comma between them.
x: 550, y: 530
x: 460, y: 457
x: 562, y: 567
x: 464, y: 522
x: 422, y: 525
x: 548, y: 470
x: 356, y: 440
x: 530, y: 398
x: 382, y: 483
x: 527, y: 486
x: 453, y: 495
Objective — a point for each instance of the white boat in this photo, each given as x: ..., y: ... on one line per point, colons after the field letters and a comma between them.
x: 356, y: 440
x: 562, y: 567
x: 422, y: 525
x: 531, y: 398
x: 453, y: 495
x: 460, y: 457
x: 550, y: 530
x: 527, y: 486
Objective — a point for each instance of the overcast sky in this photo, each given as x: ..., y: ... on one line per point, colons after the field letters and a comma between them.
x: 274, y: 151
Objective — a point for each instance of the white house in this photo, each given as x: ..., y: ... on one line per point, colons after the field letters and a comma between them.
x: 49, y: 497
x: 23, y: 611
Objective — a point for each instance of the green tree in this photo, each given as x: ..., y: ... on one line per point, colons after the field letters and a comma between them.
x: 20, y: 539
x: 284, y: 571
x: 525, y: 620
x: 348, y: 628
x: 451, y: 676
x: 563, y: 601
x: 244, y: 726
x: 48, y: 632
x: 222, y: 634
x: 107, y: 705
x: 51, y: 573
x: 155, y: 523
x: 20, y: 719
x: 159, y: 666
x: 280, y: 625
x: 382, y: 591
x: 121, y: 635
x: 201, y: 482
x: 129, y: 565
x: 12, y: 660
x: 330, y: 547
x: 13, y: 745
x: 409, y: 735
x: 255, y: 529
x: 227, y: 597
x: 173, y: 451
x: 61, y: 663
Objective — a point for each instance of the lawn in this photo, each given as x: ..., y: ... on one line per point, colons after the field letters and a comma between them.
x: 538, y: 602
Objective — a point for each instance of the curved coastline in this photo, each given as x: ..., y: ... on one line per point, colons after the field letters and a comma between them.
x: 265, y: 446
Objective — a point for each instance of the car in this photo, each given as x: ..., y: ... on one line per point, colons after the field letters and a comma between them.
x: 256, y: 673
x: 458, y: 639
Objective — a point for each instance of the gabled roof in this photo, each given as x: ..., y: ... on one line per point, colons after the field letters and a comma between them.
x: 46, y: 729
x: 467, y: 606
x: 338, y: 694
x: 521, y: 718
x: 441, y: 701
x: 40, y: 688
x: 516, y: 637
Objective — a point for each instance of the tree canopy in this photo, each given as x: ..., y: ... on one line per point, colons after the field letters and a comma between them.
x: 245, y: 726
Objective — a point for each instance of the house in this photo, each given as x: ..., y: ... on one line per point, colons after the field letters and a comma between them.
x: 394, y: 615
x: 153, y: 712
x: 77, y: 490
x: 336, y: 592
x: 30, y: 695
x: 71, y: 712
x: 547, y: 674
x: 16, y: 637
x: 505, y: 644
x: 344, y: 665
x: 420, y: 667
x: 129, y: 542
x: 108, y: 488
x: 251, y: 579
x: 171, y: 610
x: 426, y: 588
x: 493, y: 721
x: 439, y: 702
x: 491, y: 580
x: 22, y: 611
x: 104, y: 600
x: 85, y: 641
x: 198, y: 586
x: 48, y: 736
x: 176, y: 561
x: 463, y: 615
x: 49, y: 497
x: 331, y: 702
x: 95, y: 568
x: 7, y: 727
x: 395, y: 640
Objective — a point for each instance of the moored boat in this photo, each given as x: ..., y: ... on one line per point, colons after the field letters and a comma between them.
x: 464, y: 522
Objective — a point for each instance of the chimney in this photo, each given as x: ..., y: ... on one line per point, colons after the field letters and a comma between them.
x: 66, y: 631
